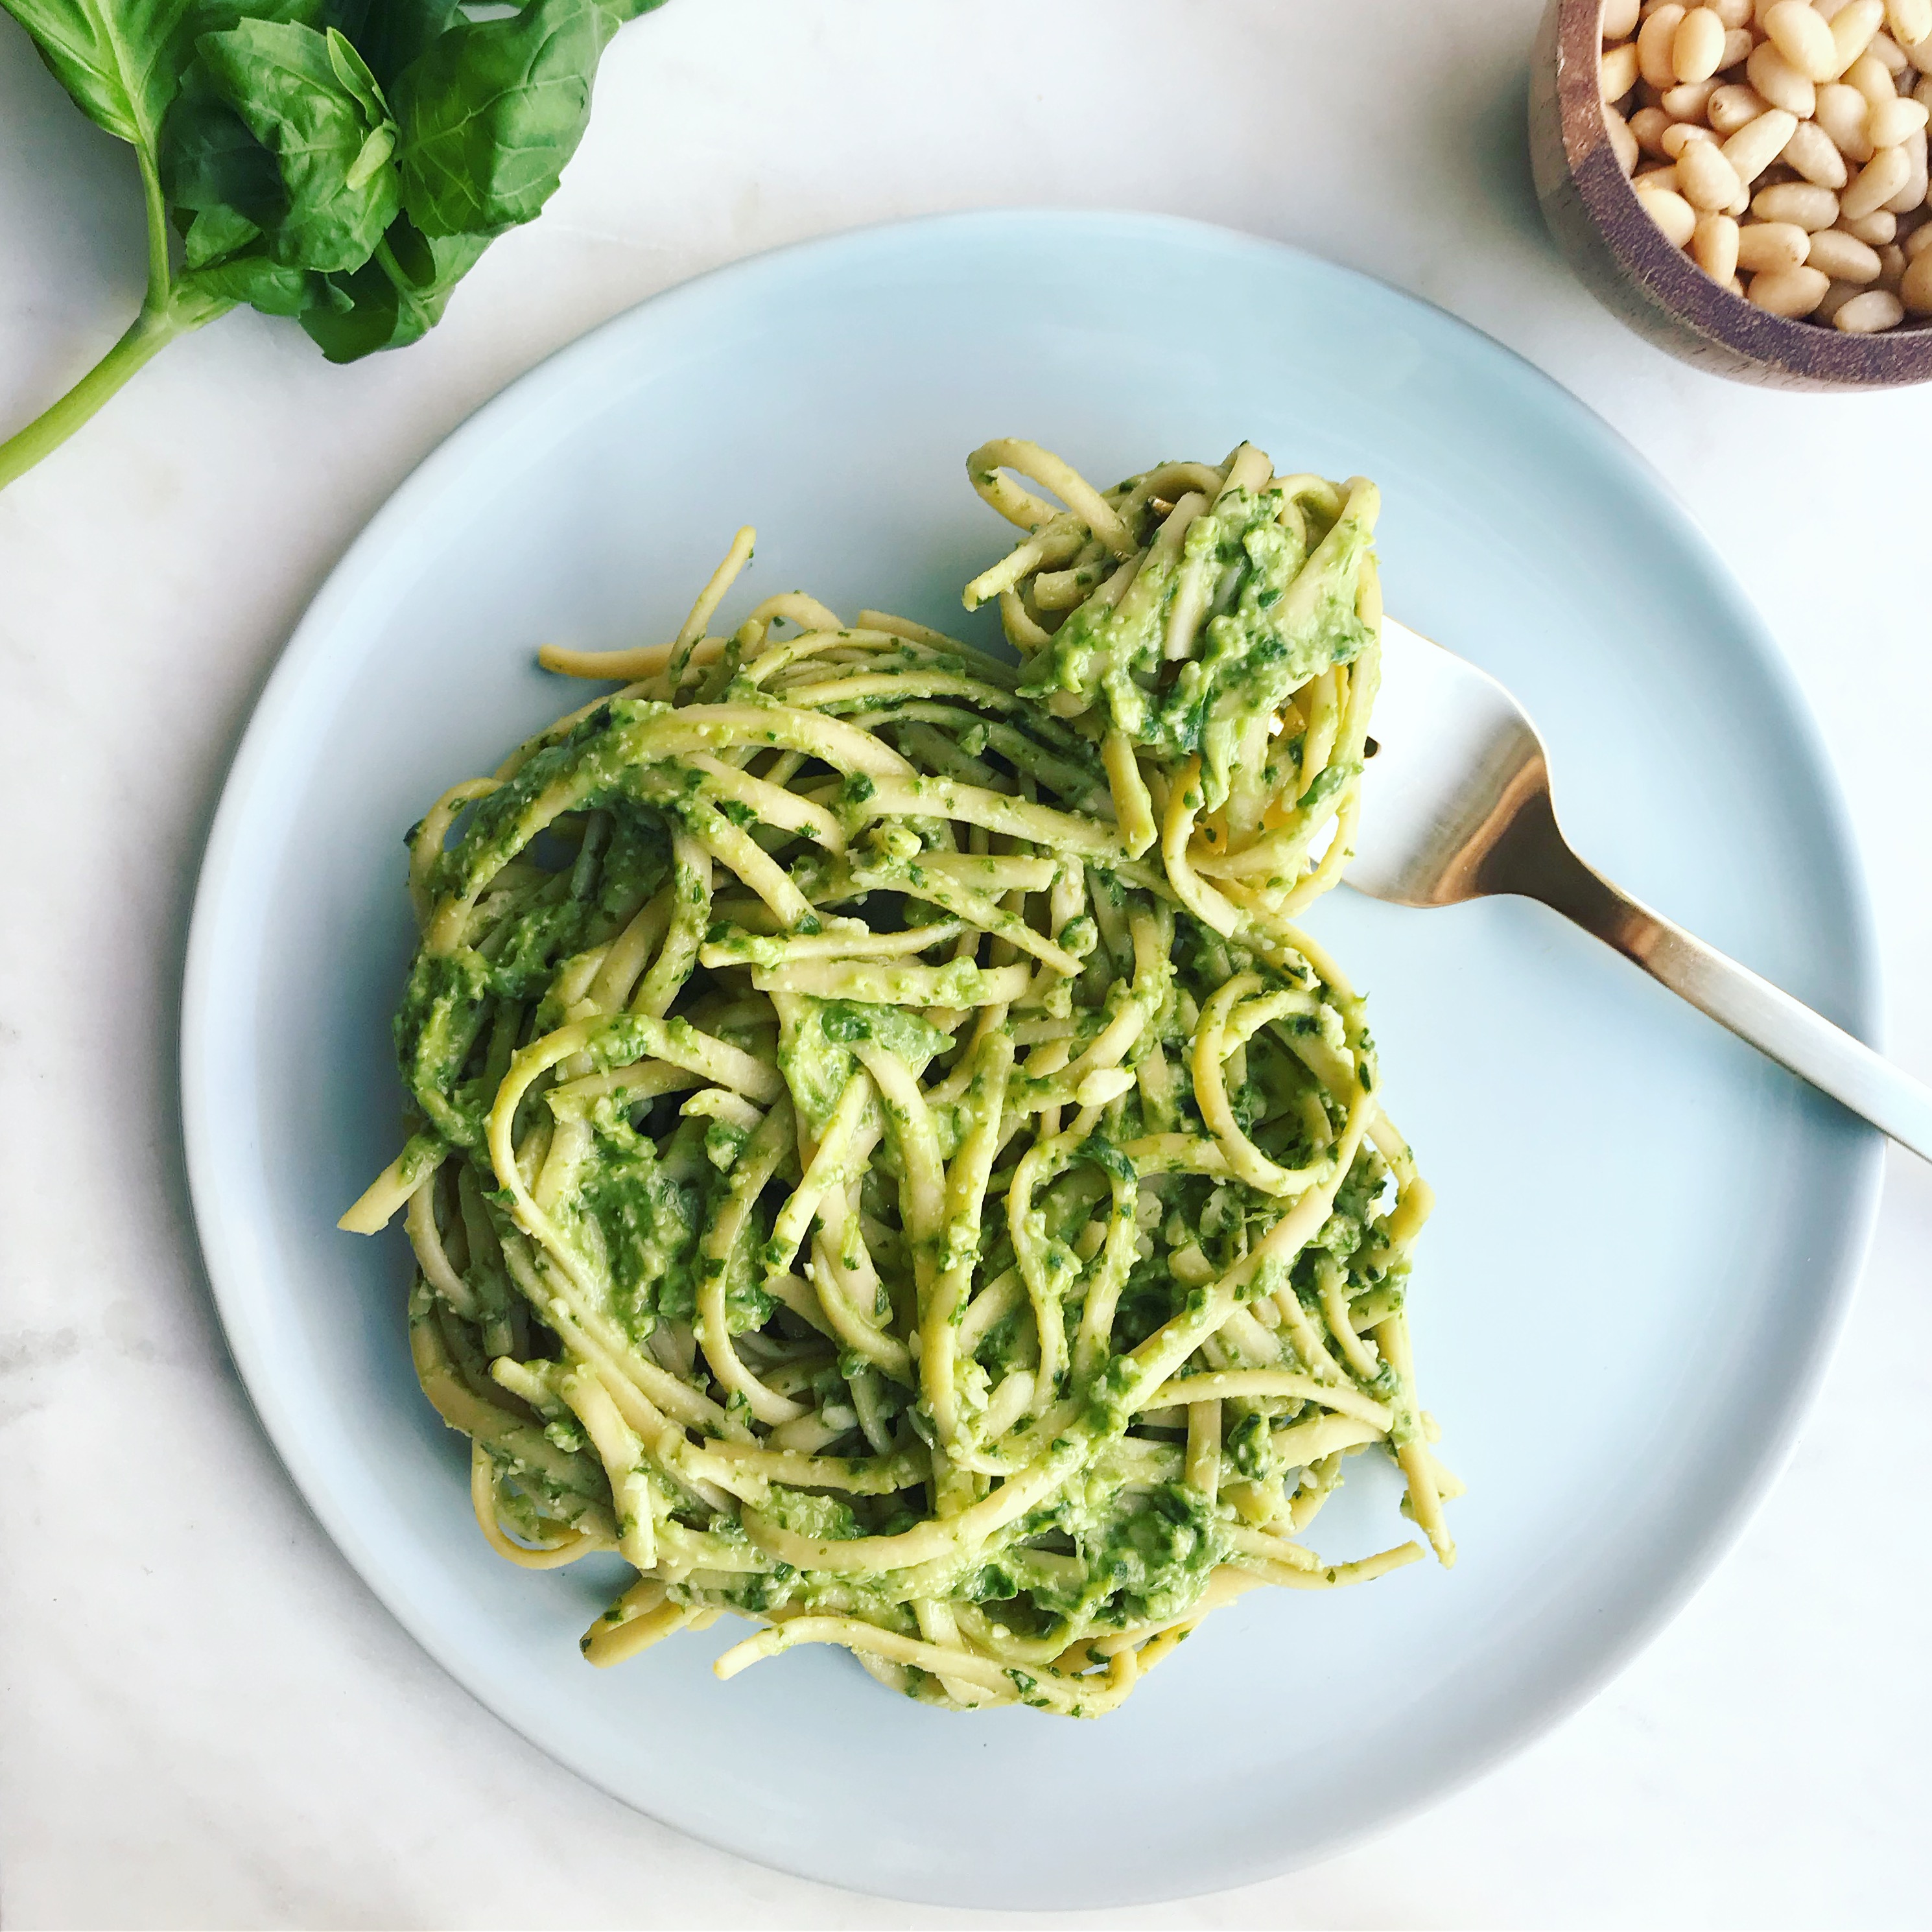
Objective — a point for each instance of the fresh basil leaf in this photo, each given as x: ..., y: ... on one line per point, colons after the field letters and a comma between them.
x: 352, y: 71
x: 121, y: 60
x: 213, y: 169
x: 432, y: 266
x: 266, y: 127
x: 217, y: 232
x: 257, y: 279
x: 357, y: 318
x: 493, y: 111
x: 393, y: 33
x: 361, y: 20
x: 220, y: 16
x: 397, y: 297
x: 210, y: 162
x: 330, y: 151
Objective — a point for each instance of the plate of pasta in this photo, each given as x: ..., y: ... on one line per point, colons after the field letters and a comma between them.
x: 873, y: 1231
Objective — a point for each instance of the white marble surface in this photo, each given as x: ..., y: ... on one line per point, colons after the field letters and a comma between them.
x: 205, y: 1719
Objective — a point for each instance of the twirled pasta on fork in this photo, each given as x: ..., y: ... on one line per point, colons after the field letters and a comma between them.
x: 884, y: 1160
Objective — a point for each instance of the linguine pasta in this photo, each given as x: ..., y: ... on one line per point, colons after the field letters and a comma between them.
x: 885, y: 1161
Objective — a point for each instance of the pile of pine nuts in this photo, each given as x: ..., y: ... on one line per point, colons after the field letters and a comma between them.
x: 1782, y: 143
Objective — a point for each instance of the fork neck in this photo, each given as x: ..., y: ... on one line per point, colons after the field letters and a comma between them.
x: 1530, y: 858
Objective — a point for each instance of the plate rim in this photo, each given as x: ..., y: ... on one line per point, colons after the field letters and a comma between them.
x: 306, y: 648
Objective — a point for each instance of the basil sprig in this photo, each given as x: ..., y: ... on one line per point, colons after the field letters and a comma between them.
x: 344, y: 162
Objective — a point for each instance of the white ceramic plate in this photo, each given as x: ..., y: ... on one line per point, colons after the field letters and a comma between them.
x: 1646, y: 1233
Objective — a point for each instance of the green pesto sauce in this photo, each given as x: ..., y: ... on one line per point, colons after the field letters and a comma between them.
x: 1275, y: 615
x: 815, y: 1048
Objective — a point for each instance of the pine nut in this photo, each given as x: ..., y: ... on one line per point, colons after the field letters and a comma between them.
x: 1878, y: 228
x: 1843, y: 257
x: 1802, y: 35
x: 1836, y: 297
x: 1654, y: 42
x: 1649, y: 124
x: 1915, y: 290
x: 1790, y: 292
x: 1729, y: 108
x: 1867, y: 313
x: 1780, y: 82
x: 1891, y: 266
x: 1736, y: 13
x: 1918, y: 242
x: 1671, y: 212
x: 1797, y: 203
x: 1910, y: 19
x: 1705, y: 179
x: 1917, y: 185
x: 1873, y: 79
x: 1620, y: 18
x: 1663, y: 179
x: 1896, y: 121
x: 1922, y: 90
x: 1815, y: 155
x: 1617, y: 70
x: 1687, y: 100
x: 1889, y: 54
x: 1829, y: 10
x: 1772, y: 245
x: 1616, y: 73
x: 1737, y: 48
x: 1714, y: 244
x: 1878, y: 180
x: 1623, y: 143
x: 1842, y: 111
x: 1852, y: 28
x: 1697, y: 50
x: 1758, y: 143
x: 1680, y: 134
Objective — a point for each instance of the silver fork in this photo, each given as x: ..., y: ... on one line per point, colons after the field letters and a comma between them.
x: 1455, y: 805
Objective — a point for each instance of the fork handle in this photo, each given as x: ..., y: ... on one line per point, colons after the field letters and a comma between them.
x: 1542, y: 866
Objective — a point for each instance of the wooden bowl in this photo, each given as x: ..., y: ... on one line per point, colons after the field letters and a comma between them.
x: 1627, y: 262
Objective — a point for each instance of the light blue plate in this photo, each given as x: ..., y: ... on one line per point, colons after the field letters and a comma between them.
x: 1647, y: 1234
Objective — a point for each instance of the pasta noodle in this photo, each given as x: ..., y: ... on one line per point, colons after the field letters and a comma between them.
x: 883, y: 1158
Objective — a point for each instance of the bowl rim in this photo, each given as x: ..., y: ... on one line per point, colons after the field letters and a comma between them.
x: 1667, y: 277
